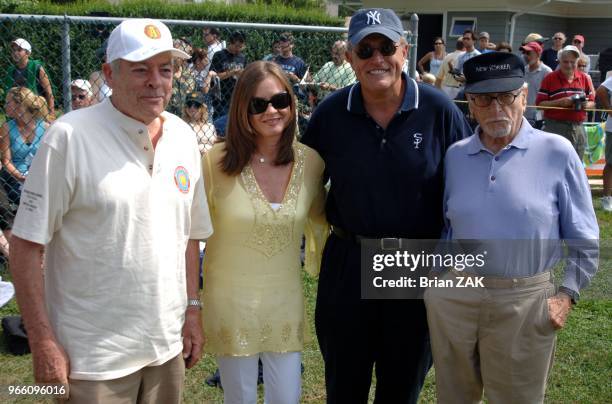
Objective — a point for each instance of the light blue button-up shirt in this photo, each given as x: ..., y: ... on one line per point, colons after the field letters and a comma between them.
x: 522, y: 201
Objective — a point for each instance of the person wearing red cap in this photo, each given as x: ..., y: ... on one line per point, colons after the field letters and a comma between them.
x: 534, y: 74
x: 578, y: 42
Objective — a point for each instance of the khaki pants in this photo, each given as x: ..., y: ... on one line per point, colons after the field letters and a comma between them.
x: 497, y: 339
x: 152, y: 384
x: 572, y: 131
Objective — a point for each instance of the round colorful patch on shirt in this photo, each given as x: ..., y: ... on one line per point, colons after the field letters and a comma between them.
x: 181, y: 179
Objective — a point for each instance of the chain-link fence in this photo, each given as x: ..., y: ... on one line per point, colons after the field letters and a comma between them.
x: 50, y: 65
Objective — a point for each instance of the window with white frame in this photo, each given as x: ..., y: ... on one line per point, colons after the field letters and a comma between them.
x: 460, y: 24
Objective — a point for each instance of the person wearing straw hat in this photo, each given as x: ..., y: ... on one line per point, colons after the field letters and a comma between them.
x: 500, y: 337
x: 115, y: 197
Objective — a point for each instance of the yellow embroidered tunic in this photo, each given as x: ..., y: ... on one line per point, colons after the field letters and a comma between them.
x: 253, y: 296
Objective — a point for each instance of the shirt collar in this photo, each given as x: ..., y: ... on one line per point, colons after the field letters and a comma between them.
x: 127, y: 124
x: 410, y: 100
x: 520, y: 141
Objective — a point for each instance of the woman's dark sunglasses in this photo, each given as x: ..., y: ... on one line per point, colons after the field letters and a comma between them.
x: 365, y: 51
x: 190, y: 104
x: 278, y: 101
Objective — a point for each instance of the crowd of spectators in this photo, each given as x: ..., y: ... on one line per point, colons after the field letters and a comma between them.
x: 557, y: 76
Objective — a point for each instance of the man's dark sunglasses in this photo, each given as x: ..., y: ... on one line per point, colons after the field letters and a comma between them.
x: 190, y: 104
x: 278, y: 101
x: 365, y: 51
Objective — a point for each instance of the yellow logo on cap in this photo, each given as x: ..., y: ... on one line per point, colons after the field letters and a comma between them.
x: 152, y: 32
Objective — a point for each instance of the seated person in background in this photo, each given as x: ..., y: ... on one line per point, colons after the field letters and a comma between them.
x: 20, y: 138
x: 82, y: 96
x: 293, y: 66
x: 202, y: 76
x: 29, y: 73
x: 195, y: 113
x: 276, y: 50
x: 338, y: 72
x: 183, y: 83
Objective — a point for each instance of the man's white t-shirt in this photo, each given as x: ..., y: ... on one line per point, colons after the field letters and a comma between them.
x: 115, y: 216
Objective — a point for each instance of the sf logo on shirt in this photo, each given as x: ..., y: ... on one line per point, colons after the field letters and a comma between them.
x: 418, y: 138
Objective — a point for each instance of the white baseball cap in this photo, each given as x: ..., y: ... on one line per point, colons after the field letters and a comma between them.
x: 82, y: 85
x: 136, y: 40
x: 569, y: 48
x: 23, y: 44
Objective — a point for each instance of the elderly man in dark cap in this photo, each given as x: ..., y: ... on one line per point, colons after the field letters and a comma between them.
x: 523, y: 193
x: 383, y: 140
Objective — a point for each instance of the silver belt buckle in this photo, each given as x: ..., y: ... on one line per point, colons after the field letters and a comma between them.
x: 390, y: 243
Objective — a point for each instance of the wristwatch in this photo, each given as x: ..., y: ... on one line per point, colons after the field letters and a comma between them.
x: 573, y: 295
x: 194, y: 303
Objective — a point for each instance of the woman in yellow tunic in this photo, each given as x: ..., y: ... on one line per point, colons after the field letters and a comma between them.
x: 264, y: 191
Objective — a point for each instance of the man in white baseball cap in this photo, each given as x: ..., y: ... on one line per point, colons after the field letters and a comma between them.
x: 28, y: 72
x: 81, y: 94
x: 115, y: 195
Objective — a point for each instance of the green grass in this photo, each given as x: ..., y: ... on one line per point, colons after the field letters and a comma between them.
x: 582, y: 372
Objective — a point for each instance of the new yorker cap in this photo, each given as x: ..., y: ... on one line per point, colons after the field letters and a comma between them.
x: 494, y: 72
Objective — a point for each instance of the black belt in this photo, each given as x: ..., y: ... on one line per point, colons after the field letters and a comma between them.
x: 386, y: 243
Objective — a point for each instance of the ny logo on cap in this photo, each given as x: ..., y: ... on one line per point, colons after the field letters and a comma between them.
x: 152, y: 32
x: 373, y: 17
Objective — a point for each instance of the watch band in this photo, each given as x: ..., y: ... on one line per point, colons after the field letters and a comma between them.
x: 194, y: 303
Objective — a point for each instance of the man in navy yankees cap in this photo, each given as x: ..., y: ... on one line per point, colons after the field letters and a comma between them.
x: 402, y: 129
x: 375, y: 21
x: 524, y: 194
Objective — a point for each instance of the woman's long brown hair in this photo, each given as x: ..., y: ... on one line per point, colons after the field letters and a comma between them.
x: 240, y: 143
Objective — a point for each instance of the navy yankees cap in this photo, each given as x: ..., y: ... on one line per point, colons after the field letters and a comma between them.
x: 494, y: 72
x: 375, y: 21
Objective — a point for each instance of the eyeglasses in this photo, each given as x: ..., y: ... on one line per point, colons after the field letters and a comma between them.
x: 576, y: 41
x: 484, y: 100
x: 278, y: 101
x: 365, y: 51
x: 78, y: 97
x: 557, y: 38
x: 191, y: 104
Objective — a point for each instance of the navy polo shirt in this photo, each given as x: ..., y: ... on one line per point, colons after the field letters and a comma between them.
x: 386, y: 182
